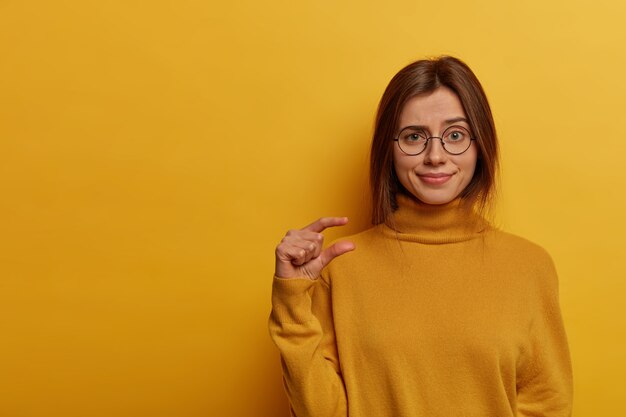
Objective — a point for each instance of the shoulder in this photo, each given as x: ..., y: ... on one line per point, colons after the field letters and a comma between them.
x: 522, y: 254
x: 370, y: 246
x: 367, y: 236
x: 518, y: 243
x: 363, y: 240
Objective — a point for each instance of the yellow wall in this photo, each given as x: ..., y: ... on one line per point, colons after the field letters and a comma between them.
x: 153, y: 153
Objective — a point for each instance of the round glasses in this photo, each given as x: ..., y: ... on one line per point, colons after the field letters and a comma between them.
x: 413, y: 140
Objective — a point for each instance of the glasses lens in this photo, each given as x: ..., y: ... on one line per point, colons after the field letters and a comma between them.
x: 412, y: 141
x: 456, y: 139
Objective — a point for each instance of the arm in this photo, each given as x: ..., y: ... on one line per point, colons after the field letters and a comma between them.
x: 544, y: 382
x: 301, y: 327
x: 301, y: 323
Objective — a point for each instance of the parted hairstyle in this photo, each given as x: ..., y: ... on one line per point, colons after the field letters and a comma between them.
x: 421, y: 77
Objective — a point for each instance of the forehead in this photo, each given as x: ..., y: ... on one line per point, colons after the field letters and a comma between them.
x: 432, y: 109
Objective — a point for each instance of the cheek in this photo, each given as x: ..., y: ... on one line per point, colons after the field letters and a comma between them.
x: 469, y: 159
x: 469, y: 166
x: 474, y: 161
x: 401, y: 162
x: 401, y: 165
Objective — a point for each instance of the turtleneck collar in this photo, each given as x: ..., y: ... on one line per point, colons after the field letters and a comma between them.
x: 447, y: 223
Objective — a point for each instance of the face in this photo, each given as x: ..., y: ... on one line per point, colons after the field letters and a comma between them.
x: 435, y: 176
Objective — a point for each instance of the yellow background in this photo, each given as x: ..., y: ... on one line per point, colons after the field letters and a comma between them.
x: 153, y: 153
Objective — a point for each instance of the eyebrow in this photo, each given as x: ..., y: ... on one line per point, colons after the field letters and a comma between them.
x: 446, y: 122
x: 455, y: 120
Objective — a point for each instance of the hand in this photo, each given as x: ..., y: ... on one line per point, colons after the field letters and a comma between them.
x: 299, y: 254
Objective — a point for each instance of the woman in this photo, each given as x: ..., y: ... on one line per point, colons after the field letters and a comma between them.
x: 431, y: 312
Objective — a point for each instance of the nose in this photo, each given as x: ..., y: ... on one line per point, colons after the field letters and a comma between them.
x: 434, y: 153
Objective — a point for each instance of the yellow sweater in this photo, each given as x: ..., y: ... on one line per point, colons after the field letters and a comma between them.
x: 434, y: 314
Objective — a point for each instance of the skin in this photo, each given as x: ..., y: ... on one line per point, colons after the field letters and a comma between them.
x: 300, y: 255
x: 421, y: 174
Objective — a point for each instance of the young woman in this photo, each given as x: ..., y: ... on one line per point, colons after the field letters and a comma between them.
x: 431, y: 312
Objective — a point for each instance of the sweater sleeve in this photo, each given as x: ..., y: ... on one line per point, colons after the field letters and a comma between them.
x: 302, y: 328
x: 544, y: 381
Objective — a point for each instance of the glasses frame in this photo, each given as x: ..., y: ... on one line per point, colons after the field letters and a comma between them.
x: 443, y: 144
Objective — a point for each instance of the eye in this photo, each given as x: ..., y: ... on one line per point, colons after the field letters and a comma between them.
x: 412, y: 136
x: 456, y: 134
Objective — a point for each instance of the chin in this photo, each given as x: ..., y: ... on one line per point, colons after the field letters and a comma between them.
x: 435, y: 200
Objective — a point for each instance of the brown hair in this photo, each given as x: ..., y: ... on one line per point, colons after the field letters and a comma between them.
x: 422, y: 77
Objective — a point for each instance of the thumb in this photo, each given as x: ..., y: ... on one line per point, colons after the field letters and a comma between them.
x: 335, y: 250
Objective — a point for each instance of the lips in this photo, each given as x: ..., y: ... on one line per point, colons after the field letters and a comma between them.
x: 435, y: 178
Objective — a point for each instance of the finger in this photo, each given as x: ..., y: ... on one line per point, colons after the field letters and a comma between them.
x: 311, y: 241
x: 325, y: 222
x: 336, y: 250
x: 305, y: 235
x: 290, y: 254
x: 313, y: 249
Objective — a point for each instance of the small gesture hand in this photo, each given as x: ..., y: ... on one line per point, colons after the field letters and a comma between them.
x: 300, y: 254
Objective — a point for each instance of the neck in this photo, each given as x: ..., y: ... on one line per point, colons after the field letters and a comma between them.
x: 446, y: 223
